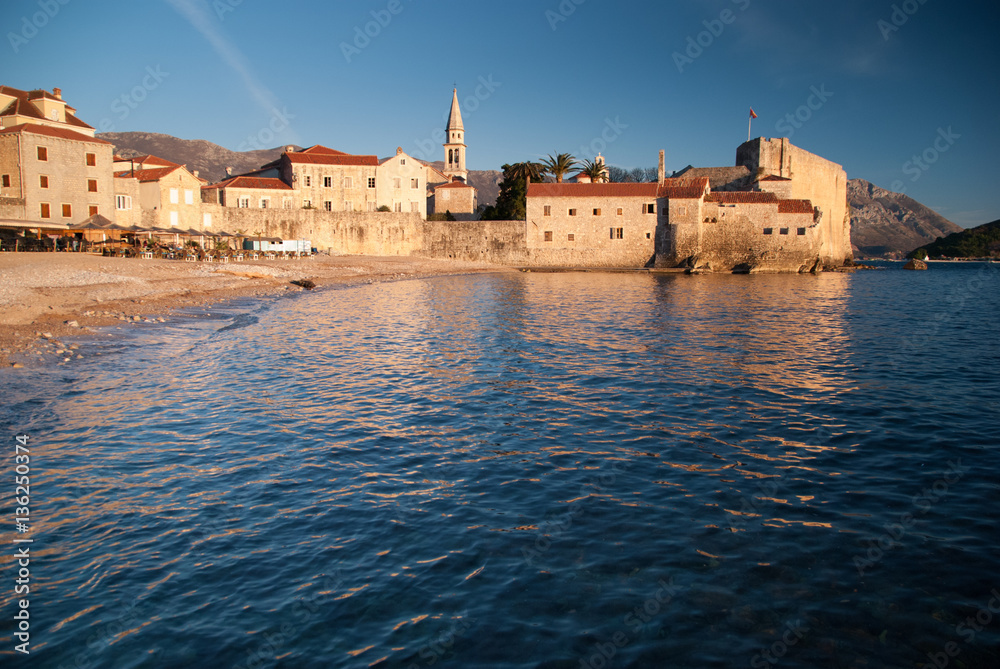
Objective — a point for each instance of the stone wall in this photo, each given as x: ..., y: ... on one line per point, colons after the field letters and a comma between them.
x: 10, y: 167
x: 499, y: 242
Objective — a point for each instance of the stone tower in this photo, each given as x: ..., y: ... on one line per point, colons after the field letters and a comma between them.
x: 454, y: 147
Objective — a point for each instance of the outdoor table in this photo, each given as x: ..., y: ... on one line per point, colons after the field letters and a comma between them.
x: 147, y: 255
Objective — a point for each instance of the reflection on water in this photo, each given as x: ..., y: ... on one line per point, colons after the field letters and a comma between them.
x: 517, y: 470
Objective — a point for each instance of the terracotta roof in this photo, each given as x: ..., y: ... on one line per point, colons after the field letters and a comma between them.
x: 147, y: 160
x: 683, y: 188
x: 646, y: 190
x: 250, y: 182
x: 331, y: 159
x: 23, y: 107
x: 454, y: 184
x: 795, y: 207
x: 774, y: 177
x: 62, y: 133
x: 742, y: 197
x: 322, y: 150
x: 147, y: 175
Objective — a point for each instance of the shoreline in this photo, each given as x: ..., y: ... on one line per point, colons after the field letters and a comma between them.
x: 46, y: 298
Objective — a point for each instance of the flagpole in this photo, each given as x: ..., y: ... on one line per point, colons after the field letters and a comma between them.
x: 749, y: 124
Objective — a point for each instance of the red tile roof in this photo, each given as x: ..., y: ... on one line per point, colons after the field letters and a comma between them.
x: 323, y: 150
x: 795, y: 207
x: 61, y: 133
x: 23, y: 107
x: 331, y: 159
x: 742, y: 197
x: 454, y: 184
x: 644, y: 190
x: 148, y: 160
x: 774, y: 177
x: 250, y: 182
x: 683, y: 188
x: 147, y: 175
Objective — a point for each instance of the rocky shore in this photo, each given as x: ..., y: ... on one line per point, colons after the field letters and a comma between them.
x: 47, y: 298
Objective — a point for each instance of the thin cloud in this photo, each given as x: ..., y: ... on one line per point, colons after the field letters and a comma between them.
x: 196, y: 13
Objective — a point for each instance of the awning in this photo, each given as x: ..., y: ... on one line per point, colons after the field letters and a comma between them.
x: 45, y: 225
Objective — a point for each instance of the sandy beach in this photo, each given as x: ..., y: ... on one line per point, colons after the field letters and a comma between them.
x: 47, y: 298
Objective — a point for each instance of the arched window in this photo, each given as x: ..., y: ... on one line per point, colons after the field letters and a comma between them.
x: 457, y: 162
x: 451, y: 156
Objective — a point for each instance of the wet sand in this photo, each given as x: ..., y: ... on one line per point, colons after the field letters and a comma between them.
x: 46, y: 298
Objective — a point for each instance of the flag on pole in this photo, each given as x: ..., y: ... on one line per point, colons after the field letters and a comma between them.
x: 753, y: 114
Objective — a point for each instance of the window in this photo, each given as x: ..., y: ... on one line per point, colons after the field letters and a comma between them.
x: 243, y: 203
x: 571, y: 237
x: 43, y: 153
x: 328, y: 205
x: 649, y: 208
x: 173, y: 219
x: 548, y: 210
x: 414, y: 207
x: 371, y: 206
x: 397, y: 182
x: 348, y: 205
x: 548, y: 235
x: 92, y: 185
x: 682, y: 211
x: 174, y: 196
x: 402, y: 161
x: 43, y: 181
x: 617, y: 233
x: 309, y: 181
x: 801, y: 231
x: 307, y: 204
x: 399, y: 207
x: 328, y: 182
x: 286, y: 203
x: 67, y: 211
x: 5, y: 180
x: 371, y: 182
x: 348, y: 182
x: 414, y: 183
x: 265, y: 203
x: 188, y: 196
x: 44, y: 210
x: 206, y: 220
x: 621, y: 212
x: 91, y: 160
x: 92, y: 210
x: 123, y: 202
x: 649, y: 235
x: 597, y: 212
x: 783, y: 231
x: 572, y: 212
x: 768, y: 231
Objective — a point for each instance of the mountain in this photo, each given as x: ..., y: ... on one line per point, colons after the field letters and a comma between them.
x: 487, y: 182
x: 884, y: 223
x: 979, y: 242
x: 209, y: 160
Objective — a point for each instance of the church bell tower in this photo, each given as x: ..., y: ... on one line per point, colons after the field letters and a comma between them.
x: 454, y: 148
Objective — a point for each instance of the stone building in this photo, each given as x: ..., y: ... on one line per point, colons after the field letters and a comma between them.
x: 155, y: 192
x: 52, y: 168
x: 455, y: 196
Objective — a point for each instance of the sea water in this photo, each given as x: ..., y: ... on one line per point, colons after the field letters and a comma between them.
x: 577, y: 470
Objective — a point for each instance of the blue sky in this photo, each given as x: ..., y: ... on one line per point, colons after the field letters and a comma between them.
x: 902, y: 93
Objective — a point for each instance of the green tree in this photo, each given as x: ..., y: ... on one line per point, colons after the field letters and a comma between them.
x: 559, y: 166
x: 512, y: 202
x: 596, y: 171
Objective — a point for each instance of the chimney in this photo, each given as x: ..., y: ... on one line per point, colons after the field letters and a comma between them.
x: 289, y: 149
x: 229, y: 171
x: 195, y: 174
x: 57, y: 92
x: 661, y: 170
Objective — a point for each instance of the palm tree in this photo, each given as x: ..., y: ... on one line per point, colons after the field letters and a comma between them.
x: 524, y: 171
x: 560, y: 165
x: 597, y: 171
